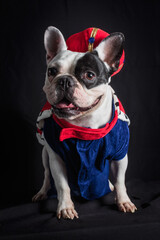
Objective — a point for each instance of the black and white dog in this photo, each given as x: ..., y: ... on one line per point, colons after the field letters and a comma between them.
x: 83, y: 126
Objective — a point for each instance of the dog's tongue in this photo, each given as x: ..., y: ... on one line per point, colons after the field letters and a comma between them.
x: 64, y: 104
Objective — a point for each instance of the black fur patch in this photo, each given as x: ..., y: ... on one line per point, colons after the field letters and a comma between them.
x: 91, y: 62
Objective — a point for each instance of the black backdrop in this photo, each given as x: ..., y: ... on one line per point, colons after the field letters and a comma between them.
x: 22, y: 64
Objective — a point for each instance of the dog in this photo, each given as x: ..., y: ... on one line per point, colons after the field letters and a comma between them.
x: 83, y: 126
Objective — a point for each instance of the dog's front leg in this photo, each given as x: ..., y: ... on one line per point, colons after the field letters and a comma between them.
x: 123, y: 201
x: 58, y: 170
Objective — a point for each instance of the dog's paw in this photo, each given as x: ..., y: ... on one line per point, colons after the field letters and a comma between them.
x: 127, y: 207
x: 68, y: 213
x: 39, y: 196
x: 124, y: 203
x: 66, y: 210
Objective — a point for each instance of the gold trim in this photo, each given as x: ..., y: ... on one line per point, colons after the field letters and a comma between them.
x: 93, y: 34
x: 120, y: 66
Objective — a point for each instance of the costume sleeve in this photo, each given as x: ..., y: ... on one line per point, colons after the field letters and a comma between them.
x: 122, y: 142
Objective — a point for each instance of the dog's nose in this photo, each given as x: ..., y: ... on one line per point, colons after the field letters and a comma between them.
x: 66, y: 82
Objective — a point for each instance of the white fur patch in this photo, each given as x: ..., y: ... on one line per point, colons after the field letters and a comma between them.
x: 66, y: 61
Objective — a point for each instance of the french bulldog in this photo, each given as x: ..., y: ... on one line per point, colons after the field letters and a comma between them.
x: 78, y: 91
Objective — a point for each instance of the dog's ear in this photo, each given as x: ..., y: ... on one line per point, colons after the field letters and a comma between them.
x: 110, y: 50
x: 54, y: 42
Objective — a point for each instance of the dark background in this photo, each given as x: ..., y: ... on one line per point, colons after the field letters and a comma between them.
x: 22, y: 64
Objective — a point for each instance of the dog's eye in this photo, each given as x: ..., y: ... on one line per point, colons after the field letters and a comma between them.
x: 89, y: 75
x: 52, y: 72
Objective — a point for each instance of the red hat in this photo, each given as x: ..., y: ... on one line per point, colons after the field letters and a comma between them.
x: 89, y: 39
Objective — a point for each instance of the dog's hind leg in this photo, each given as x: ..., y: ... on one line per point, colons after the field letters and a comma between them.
x: 42, y: 194
x: 111, y: 186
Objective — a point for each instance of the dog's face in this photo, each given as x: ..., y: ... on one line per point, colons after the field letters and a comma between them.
x: 76, y: 83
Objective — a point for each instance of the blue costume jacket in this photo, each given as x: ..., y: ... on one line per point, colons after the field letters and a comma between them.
x: 87, y: 161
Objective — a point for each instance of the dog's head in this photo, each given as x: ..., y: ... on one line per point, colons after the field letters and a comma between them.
x: 76, y: 83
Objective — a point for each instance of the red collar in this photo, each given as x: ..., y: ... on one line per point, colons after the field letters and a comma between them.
x: 72, y: 131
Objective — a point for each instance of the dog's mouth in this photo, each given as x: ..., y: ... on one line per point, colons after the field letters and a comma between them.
x: 68, y: 108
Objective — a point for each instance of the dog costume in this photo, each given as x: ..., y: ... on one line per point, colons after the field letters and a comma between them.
x: 85, y: 151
